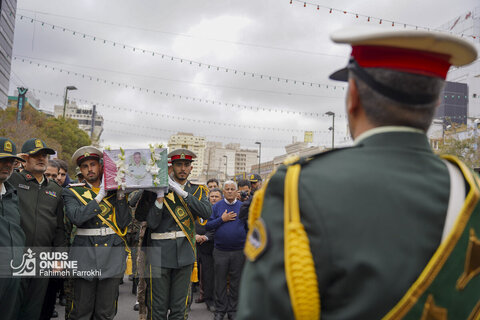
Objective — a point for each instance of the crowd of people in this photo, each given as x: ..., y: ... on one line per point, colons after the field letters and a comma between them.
x: 168, y: 234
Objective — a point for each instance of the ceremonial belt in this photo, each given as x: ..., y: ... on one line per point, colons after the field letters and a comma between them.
x: 95, y: 232
x: 182, y: 216
x: 167, y: 235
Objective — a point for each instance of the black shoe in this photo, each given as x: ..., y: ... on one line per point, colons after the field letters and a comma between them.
x: 54, y: 314
x: 130, y: 277
x: 136, y: 307
x: 219, y: 316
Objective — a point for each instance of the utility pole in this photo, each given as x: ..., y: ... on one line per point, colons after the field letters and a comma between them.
x: 20, y: 102
x: 330, y: 113
x: 94, y: 111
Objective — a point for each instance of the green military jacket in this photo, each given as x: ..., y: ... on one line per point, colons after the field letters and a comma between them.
x: 12, y: 237
x: 374, y: 216
x: 172, y: 253
x: 105, y: 253
x: 41, y: 210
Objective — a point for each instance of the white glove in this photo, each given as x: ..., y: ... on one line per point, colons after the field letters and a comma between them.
x: 177, y: 188
x: 161, y: 192
x: 101, y: 194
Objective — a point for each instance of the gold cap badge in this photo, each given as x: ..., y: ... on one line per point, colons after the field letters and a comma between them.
x: 182, y: 156
x: 8, y: 146
x: 38, y: 143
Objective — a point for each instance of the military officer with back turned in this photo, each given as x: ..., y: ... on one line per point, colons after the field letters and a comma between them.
x: 383, y: 229
x: 101, y: 218
x: 171, y: 238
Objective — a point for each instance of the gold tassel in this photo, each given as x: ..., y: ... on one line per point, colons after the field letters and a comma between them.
x: 194, y: 277
x: 128, y: 271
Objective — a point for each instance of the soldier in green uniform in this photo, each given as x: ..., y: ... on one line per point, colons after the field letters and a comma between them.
x: 381, y: 229
x: 101, y: 218
x: 41, y: 212
x: 12, y: 238
x: 170, y: 238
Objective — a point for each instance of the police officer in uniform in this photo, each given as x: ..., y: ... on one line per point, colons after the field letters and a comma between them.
x: 12, y: 238
x: 41, y: 212
x: 101, y: 218
x: 170, y: 238
x: 365, y: 232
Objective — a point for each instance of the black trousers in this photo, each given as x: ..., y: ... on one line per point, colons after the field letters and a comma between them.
x: 205, y: 261
x: 95, y: 299
x: 9, y: 297
x: 32, y: 294
x: 228, y: 267
x: 50, y: 298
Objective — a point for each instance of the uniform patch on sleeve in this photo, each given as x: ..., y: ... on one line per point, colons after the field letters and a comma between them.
x: 257, y: 240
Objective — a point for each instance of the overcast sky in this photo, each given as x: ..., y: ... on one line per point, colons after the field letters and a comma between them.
x: 268, y: 37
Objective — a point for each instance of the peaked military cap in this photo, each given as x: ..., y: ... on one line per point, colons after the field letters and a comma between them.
x: 35, y: 145
x: 8, y: 149
x: 254, y: 177
x: 181, y: 154
x: 418, y: 52
x: 86, y: 153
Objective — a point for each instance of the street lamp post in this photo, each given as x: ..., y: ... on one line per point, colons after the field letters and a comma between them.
x: 65, y: 100
x: 330, y: 113
x: 226, y: 162
x: 259, y: 155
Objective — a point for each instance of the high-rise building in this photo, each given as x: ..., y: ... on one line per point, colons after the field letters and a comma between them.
x: 226, y: 162
x: 84, y: 118
x: 468, y: 25
x: 183, y: 140
x: 454, y: 103
x: 8, y: 9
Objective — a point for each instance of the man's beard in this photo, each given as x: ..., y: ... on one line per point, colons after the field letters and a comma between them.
x: 92, y: 179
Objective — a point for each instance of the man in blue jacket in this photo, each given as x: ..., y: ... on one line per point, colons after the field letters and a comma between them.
x: 230, y: 235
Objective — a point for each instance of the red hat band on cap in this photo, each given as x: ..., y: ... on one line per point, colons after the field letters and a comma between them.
x: 89, y: 156
x: 407, y: 60
x: 181, y: 157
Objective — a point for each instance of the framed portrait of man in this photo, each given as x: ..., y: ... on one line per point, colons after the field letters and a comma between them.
x: 135, y: 168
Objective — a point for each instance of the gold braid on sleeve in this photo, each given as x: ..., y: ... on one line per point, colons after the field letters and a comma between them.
x: 299, y: 266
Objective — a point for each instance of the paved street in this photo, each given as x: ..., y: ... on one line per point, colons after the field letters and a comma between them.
x: 126, y: 301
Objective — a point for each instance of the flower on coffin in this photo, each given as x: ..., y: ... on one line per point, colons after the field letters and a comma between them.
x: 152, y: 167
x: 121, y: 169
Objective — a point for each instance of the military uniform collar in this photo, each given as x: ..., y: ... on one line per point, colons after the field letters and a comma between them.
x: 7, y: 188
x: 29, y: 177
x: 385, y: 129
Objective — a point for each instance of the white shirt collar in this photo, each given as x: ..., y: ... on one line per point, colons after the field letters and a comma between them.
x: 385, y: 129
x: 230, y: 203
x: 3, y: 191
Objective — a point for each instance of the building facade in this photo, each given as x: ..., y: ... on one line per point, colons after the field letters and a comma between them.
x: 300, y: 149
x: 227, y: 162
x: 184, y: 140
x: 84, y: 117
x: 454, y: 104
x: 467, y: 24
x: 8, y: 10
